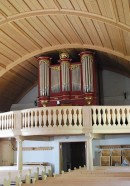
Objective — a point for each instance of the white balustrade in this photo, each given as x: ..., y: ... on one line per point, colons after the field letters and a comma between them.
x: 95, y: 119
x: 111, y: 116
x: 7, y: 120
x: 52, y: 117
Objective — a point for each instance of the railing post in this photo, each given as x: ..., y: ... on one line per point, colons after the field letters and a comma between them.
x: 87, y: 119
x: 17, y: 123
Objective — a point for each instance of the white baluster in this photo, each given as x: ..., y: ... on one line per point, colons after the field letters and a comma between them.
x: 118, y: 116
x: 75, y: 116
x: 123, y: 116
x: 94, y: 116
x: 80, y: 116
x: 65, y: 116
x: 99, y: 116
x: 113, y: 116
x: 70, y: 116
x: 55, y: 116
x: 108, y: 116
x: 40, y: 118
x: 104, y: 116
x: 31, y: 118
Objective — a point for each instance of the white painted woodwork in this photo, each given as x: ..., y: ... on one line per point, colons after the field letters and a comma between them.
x: 66, y: 120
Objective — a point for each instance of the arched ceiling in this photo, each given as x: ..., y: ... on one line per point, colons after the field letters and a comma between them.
x: 30, y: 28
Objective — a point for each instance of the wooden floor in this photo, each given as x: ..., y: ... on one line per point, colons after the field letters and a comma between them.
x: 100, y: 176
x: 108, y: 176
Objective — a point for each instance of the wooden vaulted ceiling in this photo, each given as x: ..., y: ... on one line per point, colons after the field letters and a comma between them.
x: 29, y: 28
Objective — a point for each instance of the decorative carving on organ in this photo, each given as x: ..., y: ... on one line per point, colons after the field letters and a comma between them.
x: 67, y: 83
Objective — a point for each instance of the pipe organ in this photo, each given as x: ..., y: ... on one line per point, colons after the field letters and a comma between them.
x: 67, y: 83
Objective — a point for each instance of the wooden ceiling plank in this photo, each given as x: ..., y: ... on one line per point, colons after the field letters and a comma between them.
x: 83, y: 31
x: 72, y: 19
x: 22, y: 75
x: 19, y: 38
x: 69, y: 4
x: 30, y: 4
x: 123, y: 42
x: 30, y: 39
x: 126, y: 7
x: 49, y: 28
x: 7, y: 54
x: 2, y: 66
x: 75, y: 4
x: 67, y: 28
x: 126, y: 37
x: 101, y: 29
x: 62, y: 4
x: 120, y: 11
x: 30, y: 69
x: 92, y: 6
x: 6, y: 50
x: 115, y: 38
x: 43, y: 31
x: 13, y: 81
x: 52, y: 26
x: 16, y: 5
x: 51, y: 4
x: 78, y: 39
x: 23, y: 5
x: 25, y: 73
x: 5, y: 60
x: 49, y: 34
x: 7, y: 8
x: 57, y: 21
x: 91, y: 31
x: 36, y: 4
x: 10, y: 40
x: 4, y: 10
x: 10, y: 47
x: 26, y: 42
x: 82, y: 5
x: 29, y: 29
x: 38, y: 35
x: 11, y: 75
x: 30, y: 72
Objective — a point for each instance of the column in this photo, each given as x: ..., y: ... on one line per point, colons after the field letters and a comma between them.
x: 19, y: 140
x: 89, y: 152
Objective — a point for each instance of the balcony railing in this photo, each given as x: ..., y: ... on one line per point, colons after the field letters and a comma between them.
x: 65, y: 120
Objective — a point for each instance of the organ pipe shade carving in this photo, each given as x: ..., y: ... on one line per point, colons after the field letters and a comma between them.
x: 87, y: 70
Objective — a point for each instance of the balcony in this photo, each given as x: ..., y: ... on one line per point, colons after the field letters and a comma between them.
x: 66, y: 120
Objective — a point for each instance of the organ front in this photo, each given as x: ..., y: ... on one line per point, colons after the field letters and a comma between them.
x: 67, y: 82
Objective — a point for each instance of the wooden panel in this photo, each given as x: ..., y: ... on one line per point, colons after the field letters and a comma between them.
x: 105, y: 152
x: 116, y: 152
x: 126, y: 152
x: 105, y: 160
x: 115, y: 160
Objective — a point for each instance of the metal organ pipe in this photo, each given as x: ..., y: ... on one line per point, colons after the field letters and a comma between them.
x: 87, y: 69
x: 44, y: 63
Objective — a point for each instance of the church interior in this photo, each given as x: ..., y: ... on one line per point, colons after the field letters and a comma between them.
x: 65, y: 92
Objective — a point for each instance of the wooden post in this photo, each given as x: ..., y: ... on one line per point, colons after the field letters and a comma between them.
x: 89, y: 152
x: 19, y: 140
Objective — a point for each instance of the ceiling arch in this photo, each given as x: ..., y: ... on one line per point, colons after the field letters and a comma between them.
x: 60, y: 47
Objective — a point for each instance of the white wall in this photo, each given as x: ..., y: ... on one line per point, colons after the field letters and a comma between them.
x: 114, y: 85
x: 27, y: 101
